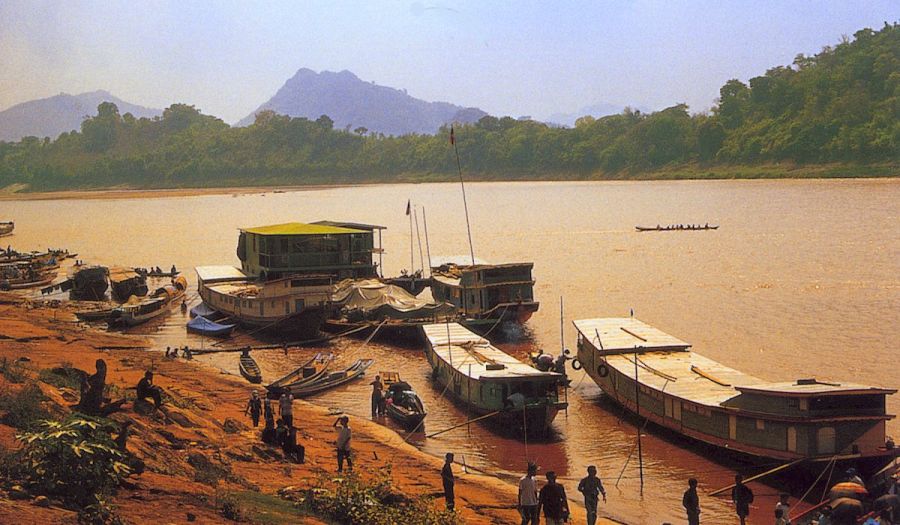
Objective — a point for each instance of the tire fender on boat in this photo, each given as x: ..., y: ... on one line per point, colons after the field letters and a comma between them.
x: 602, y: 370
x: 576, y: 364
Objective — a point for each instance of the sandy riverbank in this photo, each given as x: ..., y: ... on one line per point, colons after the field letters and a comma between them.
x: 194, y: 422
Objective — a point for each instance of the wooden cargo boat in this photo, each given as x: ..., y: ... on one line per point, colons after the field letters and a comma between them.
x: 89, y: 282
x: 676, y: 228
x: 297, y: 304
x: 93, y: 316
x: 487, y: 292
x: 249, y: 369
x: 702, y: 399
x: 329, y: 381
x: 488, y: 380
x: 125, y: 282
x: 402, y: 403
x: 141, y: 311
x: 308, y: 372
x: 6, y: 228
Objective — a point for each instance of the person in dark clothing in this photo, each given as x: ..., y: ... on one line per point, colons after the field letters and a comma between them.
x: 742, y: 497
x: 691, y: 503
x: 92, y: 390
x: 448, y: 480
x: 268, y: 433
x: 254, y: 408
x: 293, y: 451
x: 591, y: 487
x: 552, y: 499
x: 281, y: 433
x: 146, y: 389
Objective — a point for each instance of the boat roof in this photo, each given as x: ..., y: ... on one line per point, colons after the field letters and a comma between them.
x: 458, y: 260
x: 212, y: 274
x: 684, y: 374
x: 245, y: 289
x: 351, y: 225
x: 300, y: 228
x: 471, y: 354
x: 806, y: 387
x: 118, y: 274
x: 626, y: 334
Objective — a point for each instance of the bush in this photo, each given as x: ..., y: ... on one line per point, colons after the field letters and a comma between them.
x: 373, y: 501
x: 24, y: 408
x: 13, y: 371
x: 64, y: 376
x: 75, y: 460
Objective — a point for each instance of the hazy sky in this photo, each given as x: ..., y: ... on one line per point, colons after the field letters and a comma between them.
x: 508, y: 58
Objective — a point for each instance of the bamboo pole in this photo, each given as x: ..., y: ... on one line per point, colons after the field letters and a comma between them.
x: 479, y: 418
x: 759, y: 476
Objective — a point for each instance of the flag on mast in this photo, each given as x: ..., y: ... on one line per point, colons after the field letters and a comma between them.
x: 408, y: 207
x: 452, y: 138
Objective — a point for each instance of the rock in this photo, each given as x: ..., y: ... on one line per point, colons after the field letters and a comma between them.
x: 191, y: 516
x: 180, y: 419
x: 233, y: 426
x: 68, y: 395
x: 17, y: 492
x: 239, y: 456
x: 41, y: 501
x: 143, y: 407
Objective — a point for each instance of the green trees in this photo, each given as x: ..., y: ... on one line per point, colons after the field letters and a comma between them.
x: 841, y: 105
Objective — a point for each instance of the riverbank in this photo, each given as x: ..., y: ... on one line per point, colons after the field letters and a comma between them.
x: 203, y: 419
x: 692, y: 171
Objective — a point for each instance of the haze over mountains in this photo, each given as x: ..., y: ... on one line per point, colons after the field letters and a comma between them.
x: 350, y: 101
x: 50, y: 117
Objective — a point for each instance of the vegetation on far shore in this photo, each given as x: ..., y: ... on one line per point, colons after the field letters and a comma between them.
x: 835, y: 114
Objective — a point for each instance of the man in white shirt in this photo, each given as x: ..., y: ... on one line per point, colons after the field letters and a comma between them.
x: 286, y: 407
x: 528, y: 497
x: 342, y: 425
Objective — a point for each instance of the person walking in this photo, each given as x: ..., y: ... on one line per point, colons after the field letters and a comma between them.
x: 286, y: 408
x: 343, y: 442
x: 448, y: 480
x: 552, y: 500
x: 691, y: 503
x: 591, y: 487
x: 377, y: 396
x: 528, y: 497
x: 254, y: 408
x: 741, y: 497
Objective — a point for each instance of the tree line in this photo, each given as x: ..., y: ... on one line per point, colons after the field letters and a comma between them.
x: 841, y: 105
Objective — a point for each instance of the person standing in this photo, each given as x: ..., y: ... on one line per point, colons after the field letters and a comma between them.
x: 553, y: 501
x: 742, y: 497
x: 448, y: 480
x: 377, y: 396
x: 254, y: 408
x: 343, y: 442
x: 528, y: 497
x: 591, y: 487
x: 286, y: 408
x: 691, y: 503
x: 785, y: 507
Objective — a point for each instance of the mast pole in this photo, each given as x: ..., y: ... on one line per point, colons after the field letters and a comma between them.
x: 463, y: 186
x: 427, y: 245
x: 412, y: 261
x: 419, y: 238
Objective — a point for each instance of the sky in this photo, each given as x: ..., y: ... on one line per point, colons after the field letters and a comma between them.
x: 512, y: 58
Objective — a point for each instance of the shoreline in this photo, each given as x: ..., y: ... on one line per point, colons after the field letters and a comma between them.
x: 202, y: 401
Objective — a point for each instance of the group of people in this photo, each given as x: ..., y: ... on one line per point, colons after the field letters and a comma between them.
x: 551, y: 498
x: 185, y: 352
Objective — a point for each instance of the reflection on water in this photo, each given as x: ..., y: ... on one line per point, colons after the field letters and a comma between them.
x: 800, y: 276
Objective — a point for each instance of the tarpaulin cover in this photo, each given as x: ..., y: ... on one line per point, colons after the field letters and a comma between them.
x: 204, y: 326
x: 202, y: 310
x: 377, y: 300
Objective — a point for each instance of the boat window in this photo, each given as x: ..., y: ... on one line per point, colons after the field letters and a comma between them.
x: 825, y: 440
x: 760, y: 424
x: 861, y: 402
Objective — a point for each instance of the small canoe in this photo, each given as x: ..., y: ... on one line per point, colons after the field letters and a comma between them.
x: 308, y: 372
x: 249, y: 369
x: 92, y: 316
x: 331, y: 380
x: 12, y: 285
x: 403, y: 404
x: 675, y: 228
x: 203, y: 326
x: 162, y: 274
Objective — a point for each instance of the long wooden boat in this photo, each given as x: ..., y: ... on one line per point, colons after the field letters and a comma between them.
x: 332, y: 380
x: 657, y: 376
x: 141, y: 311
x: 89, y: 282
x: 92, y: 316
x: 21, y: 284
x: 297, y: 304
x: 493, y: 292
x: 308, y: 372
x: 203, y: 326
x: 488, y: 380
x: 6, y: 228
x: 249, y: 369
x: 403, y: 404
x: 676, y: 228
x: 125, y: 282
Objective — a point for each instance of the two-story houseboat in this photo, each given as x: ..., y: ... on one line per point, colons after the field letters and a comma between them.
x: 700, y: 398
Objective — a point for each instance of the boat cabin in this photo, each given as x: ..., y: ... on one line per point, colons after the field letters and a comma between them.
x: 708, y: 401
x: 486, y: 291
x: 326, y: 248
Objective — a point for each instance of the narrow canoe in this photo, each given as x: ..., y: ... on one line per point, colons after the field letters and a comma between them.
x: 249, y: 369
x: 332, y: 380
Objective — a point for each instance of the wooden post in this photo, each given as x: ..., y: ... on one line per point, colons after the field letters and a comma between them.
x: 469, y: 397
x: 637, y: 403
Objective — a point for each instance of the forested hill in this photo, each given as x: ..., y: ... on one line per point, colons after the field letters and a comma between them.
x: 840, y: 106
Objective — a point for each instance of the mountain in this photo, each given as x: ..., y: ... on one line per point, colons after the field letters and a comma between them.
x: 598, y: 110
x: 349, y: 101
x: 49, y: 117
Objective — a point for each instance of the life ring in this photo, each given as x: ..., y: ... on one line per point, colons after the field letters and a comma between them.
x: 602, y: 370
x: 576, y: 364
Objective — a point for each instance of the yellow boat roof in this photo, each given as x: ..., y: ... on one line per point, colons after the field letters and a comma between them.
x: 299, y: 228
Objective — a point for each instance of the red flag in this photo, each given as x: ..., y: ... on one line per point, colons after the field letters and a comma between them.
x: 408, y: 208
x: 452, y: 138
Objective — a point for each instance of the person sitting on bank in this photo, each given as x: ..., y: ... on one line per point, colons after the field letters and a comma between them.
x: 146, y: 389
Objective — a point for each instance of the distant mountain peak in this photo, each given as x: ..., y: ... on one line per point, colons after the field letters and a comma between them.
x: 351, y: 101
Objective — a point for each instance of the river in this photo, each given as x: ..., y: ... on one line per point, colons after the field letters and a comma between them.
x: 801, y: 280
